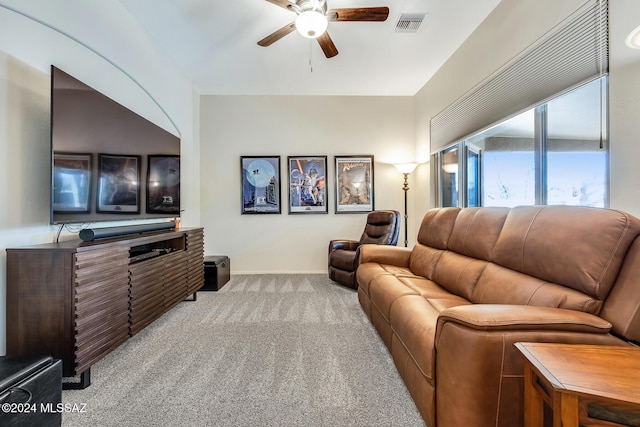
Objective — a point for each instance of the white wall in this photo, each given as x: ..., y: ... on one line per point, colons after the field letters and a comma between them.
x: 624, y: 104
x: 113, y: 53
x: 232, y: 126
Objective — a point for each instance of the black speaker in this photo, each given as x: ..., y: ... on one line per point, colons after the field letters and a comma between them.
x: 89, y: 234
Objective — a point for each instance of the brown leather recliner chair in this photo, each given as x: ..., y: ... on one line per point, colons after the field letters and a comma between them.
x: 382, y: 228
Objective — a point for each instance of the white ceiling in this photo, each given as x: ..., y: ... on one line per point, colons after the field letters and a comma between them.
x: 215, y: 43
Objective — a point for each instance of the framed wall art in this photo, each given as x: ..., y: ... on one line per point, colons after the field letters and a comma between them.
x: 118, y: 183
x: 260, y: 184
x: 163, y: 184
x: 354, y: 184
x: 307, y: 189
x: 71, y: 190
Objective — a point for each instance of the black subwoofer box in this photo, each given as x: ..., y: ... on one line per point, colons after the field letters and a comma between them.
x: 217, y: 272
x: 30, y: 391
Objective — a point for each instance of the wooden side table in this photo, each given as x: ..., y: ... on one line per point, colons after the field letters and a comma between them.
x: 588, y: 385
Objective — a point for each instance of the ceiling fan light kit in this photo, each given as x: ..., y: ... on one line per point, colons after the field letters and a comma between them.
x: 311, y: 24
x: 313, y: 19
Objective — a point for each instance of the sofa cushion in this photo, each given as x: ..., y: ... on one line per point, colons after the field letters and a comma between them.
x: 423, y: 260
x: 499, y: 285
x: 414, y: 324
x: 553, y: 243
x: 458, y: 274
x: 476, y: 231
x: 425, y: 288
x: 384, y: 291
x: 413, y: 320
x: 436, y: 227
x: 452, y: 243
x: 369, y: 271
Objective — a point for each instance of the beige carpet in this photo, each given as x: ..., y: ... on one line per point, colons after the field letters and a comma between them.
x: 266, y: 350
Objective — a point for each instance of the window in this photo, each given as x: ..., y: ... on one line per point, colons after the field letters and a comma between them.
x: 473, y: 176
x: 576, y: 158
x: 555, y: 153
x: 449, y: 177
x: 507, y: 162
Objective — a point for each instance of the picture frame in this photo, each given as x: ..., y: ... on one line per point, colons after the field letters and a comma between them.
x: 260, y: 180
x: 163, y: 184
x: 118, y: 183
x: 71, y: 189
x: 307, y: 184
x: 354, y: 192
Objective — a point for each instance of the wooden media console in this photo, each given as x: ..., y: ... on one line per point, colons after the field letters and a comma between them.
x: 77, y: 301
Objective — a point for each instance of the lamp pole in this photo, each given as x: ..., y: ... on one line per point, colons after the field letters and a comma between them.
x: 405, y: 188
x: 405, y: 169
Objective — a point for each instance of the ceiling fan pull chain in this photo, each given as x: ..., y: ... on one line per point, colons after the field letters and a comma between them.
x: 310, y: 62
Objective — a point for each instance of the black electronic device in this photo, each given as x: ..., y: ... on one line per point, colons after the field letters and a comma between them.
x: 107, y: 162
x: 89, y: 234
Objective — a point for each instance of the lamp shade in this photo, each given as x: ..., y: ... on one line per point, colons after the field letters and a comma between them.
x: 633, y: 39
x: 311, y: 24
x: 406, y: 167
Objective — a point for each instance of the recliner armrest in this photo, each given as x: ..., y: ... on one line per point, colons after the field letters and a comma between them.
x: 505, y: 317
x: 476, y: 360
x: 382, y: 254
x: 349, y: 245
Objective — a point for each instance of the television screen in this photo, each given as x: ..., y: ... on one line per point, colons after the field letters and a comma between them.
x: 107, y: 162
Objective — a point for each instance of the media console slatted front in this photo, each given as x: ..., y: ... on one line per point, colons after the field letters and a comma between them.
x: 77, y: 301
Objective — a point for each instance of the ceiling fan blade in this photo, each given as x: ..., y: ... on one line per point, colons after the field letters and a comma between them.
x: 277, y: 35
x: 358, y: 14
x: 282, y: 3
x: 327, y: 45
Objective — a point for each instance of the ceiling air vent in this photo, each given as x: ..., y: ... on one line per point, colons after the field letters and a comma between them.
x: 409, y: 22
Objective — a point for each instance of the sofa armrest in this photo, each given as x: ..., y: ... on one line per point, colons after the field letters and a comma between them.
x: 349, y: 245
x: 487, y: 317
x: 385, y: 254
x: 476, y: 360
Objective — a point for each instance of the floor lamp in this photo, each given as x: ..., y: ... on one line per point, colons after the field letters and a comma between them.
x: 405, y: 169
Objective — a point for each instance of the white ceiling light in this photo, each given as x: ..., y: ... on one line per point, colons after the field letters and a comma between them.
x: 633, y: 39
x: 311, y: 24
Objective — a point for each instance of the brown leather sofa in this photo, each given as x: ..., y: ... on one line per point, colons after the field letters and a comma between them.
x: 382, y: 228
x: 479, y: 280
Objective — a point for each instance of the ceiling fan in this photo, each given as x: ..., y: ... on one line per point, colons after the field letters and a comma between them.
x: 313, y: 19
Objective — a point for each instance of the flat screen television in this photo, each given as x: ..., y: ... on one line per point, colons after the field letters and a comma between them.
x: 107, y: 162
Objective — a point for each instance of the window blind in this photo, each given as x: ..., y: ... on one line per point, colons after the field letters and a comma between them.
x: 576, y: 51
